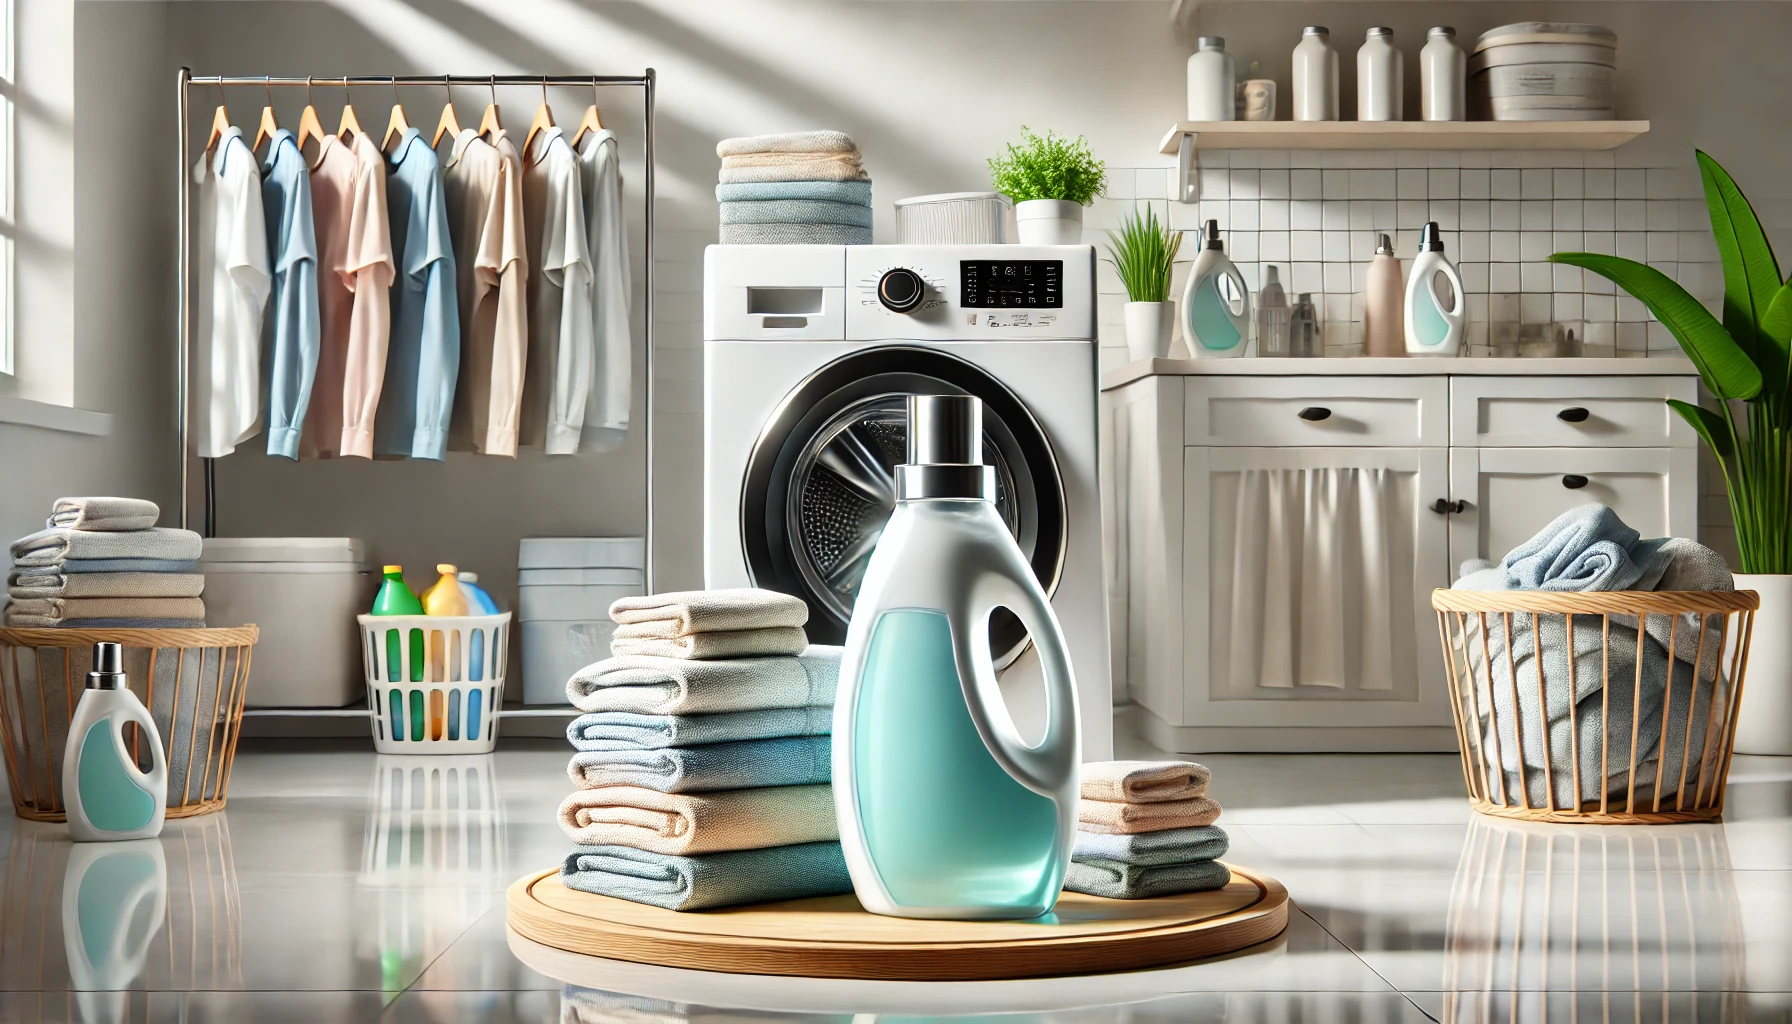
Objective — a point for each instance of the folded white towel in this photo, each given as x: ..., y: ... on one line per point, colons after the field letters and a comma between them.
x: 675, y: 686
x: 789, y: 142
x: 105, y: 514
x: 735, y: 643
x: 53, y: 546
x: 704, y: 611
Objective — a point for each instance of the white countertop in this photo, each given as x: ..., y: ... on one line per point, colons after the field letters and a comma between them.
x: 1467, y: 366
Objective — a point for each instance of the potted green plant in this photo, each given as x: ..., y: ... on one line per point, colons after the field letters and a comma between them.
x: 1050, y: 178
x: 1142, y: 252
x: 1745, y: 360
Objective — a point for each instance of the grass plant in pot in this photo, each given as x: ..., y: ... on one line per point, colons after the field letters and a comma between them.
x: 1745, y: 360
x: 1050, y: 178
x: 1142, y: 252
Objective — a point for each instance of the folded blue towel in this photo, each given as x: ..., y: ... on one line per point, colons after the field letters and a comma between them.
x: 836, y: 191
x: 795, y: 234
x: 622, y: 730
x: 1117, y: 881
x: 789, y: 761
x: 1153, y: 849
x: 710, y: 879
x: 76, y: 565
x: 796, y: 211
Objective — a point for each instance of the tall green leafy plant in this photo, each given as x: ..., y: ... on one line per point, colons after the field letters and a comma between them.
x: 1745, y: 359
x: 1142, y: 252
x: 1049, y: 166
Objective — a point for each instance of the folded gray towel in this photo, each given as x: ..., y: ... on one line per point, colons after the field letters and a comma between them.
x: 103, y: 514
x: 1118, y: 881
x: 682, y: 613
x: 706, y: 880
x: 794, y: 234
x: 736, y: 643
x: 788, y: 142
x: 15, y: 621
x: 796, y: 211
x: 83, y: 566
x: 54, y: 546
x: 680, y: 686
x: 857, y: 192
x: 50, y: 583
x: 1153, y: 849
x: 789, y: 761
x: 622, y: 730
x: 58, y: 608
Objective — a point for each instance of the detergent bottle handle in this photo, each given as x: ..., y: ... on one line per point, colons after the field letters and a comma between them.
x: 155, y: 780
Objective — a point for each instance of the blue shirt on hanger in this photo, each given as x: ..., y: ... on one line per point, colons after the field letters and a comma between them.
x: 423, y: 355
x: 292, y: 254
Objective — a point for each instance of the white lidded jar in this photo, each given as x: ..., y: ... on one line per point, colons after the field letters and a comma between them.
x: 1380, y: 77
x: 1215, y: 307
x: 1443, y: 77
x: 1434, y: 300
x: 1212, y: 82
x: 1315, y: 76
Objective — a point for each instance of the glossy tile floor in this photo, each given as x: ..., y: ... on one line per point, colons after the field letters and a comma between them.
x: 341, y: 886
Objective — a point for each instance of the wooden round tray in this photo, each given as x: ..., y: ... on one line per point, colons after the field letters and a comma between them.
x: 831, y: 937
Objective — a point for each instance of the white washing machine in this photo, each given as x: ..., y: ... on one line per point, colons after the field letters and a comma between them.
x: 809, y: 352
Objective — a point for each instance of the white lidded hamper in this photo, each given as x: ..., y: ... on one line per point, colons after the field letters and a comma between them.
x: 1544, y: 71
x: 303, y: 592
x: 565, y: 586
x: 956, y: 218
x: 445, y: 702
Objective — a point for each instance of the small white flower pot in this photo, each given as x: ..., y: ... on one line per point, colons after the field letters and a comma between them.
x: 1049, y: 222
x: 1764, y: 724
x: 1148, y: 329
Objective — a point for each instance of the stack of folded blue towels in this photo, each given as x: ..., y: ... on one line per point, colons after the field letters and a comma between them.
x: 103, y: 563
x: 703, y: 756
x: 803, y: 188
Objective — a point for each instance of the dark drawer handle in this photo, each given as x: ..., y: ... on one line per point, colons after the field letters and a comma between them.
x: 1574, y: 415
x: 1574, y: 481
x: 1314, y: 413
x: 1444, y: 507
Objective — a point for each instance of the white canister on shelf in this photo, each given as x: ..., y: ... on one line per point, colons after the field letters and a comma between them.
x: 1380, y: 77
x: 1315, y: 76
x: 1212, y: 82
x: 1443, y: 77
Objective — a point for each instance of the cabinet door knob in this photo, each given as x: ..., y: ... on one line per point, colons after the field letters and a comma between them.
x: 1574, y: 481
x: 1574, y: 415
x: 1314, y: 413
x: 1445, y: 507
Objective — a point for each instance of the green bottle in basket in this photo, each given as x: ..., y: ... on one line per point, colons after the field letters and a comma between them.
x: 395, y: 598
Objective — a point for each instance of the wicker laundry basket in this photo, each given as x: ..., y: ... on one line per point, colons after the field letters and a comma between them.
x: 1603, y: 708
x: 193, y: 682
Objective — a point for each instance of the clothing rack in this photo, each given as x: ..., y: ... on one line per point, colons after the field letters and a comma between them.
x: 186, y: 81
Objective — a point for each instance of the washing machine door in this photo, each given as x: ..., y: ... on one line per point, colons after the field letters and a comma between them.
x: 820, y: 482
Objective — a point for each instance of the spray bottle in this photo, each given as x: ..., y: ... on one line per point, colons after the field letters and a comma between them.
x: 1216, y: 303
x: 1434, y: 304
x: 107, y: 796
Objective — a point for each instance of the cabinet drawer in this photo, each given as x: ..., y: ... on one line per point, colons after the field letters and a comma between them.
x: 1308, y: 412
x: 1569, y: 412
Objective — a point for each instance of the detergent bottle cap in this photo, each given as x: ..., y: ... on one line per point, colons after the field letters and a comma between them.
x: 393, y: 570
x: 945, y: 450
x: 468, y: 577
x: 445, y: 569
x: 108, y: 667
x: 1213, y: 236
x: 1386, y: 248
x: 1430, y: 239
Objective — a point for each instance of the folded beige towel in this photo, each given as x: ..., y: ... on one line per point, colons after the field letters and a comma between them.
x: 1110, y: 817
x: 689, y: 823
x: 808, y: 167
x: 789, y: 142
x: 707, y: 611
x: 676, y: 686
x: 108, y: 608
x: 1144, y: 782
x: 49, y: 583
x: 738, y: 643
x: 103, y: 514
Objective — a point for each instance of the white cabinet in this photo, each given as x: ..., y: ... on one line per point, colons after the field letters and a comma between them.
x: 1276, y: 538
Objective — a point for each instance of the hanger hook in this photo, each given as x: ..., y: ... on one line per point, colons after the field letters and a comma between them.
x: 345, y: 92
x: 594, y: 96
x: 308, y: 90
x: 493, y: 85
x: 221, y: 102
x: 448, y: 87
x: 267, y: 86
x: 394, y: 80
x: 544, y: 90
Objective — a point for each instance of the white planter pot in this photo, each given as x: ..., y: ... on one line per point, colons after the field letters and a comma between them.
x: 1049, y: 222
x: 1148, y: 329
x: 1764, y: 722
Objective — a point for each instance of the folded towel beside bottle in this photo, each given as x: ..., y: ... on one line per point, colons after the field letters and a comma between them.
x: 102, y: 562
x: 1111, y: 816
x: 686, y: 686
x: 708, y: 880
x: 1144, y: 829
x: 1144, y: 781
x: 789, y: 761
x: 622, y: 730
x: 689, y: 823
x: 1116, y: 881
x: 50, y: 612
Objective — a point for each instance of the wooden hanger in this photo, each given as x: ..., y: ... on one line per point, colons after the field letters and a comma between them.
x: 310, y: 128
x: 544, y: 119
x: 591, y: 122
x: 267, y: 128
x: 396, y: 125
x: 449, y: 124
x: 489, y: 128
x: 220, y: 122
x: 350, y: 125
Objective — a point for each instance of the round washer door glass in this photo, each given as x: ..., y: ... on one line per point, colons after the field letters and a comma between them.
x: 820, y: 484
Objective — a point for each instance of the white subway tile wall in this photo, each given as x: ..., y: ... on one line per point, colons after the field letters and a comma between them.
x: 1315, y: 216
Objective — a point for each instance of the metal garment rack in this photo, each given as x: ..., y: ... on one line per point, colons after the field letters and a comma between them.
x: 187, y: 81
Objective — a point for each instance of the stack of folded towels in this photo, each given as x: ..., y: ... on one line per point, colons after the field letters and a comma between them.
x: 805, y: 188
x: 703, y: 756
x: 103, y: 562
x: 1146, y: 828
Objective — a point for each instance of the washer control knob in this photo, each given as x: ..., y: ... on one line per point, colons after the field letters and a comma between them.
x: 901, y: 290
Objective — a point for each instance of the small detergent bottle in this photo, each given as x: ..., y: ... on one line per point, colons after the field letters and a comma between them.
x: 442, y: 600
x: 108, y: 797
x: 396, y: 598
x: 1434, y: 303
x: 944, y: 810
x: 1215, y: 304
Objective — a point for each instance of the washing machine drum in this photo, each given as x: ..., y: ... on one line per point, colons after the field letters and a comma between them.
x: 821, y: 481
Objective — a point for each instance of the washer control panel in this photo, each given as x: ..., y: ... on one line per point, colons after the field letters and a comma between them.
x: 1011, y: 284
x: 970, y: 291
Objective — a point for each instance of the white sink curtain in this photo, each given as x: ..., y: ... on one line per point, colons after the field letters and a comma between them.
x: 1318, y: 586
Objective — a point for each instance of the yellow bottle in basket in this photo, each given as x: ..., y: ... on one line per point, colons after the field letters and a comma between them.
x: 445, y: 598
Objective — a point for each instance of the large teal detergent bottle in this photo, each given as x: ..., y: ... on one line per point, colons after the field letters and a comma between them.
x: 945, y: 811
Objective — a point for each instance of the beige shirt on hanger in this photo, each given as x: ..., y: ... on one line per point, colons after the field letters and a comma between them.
x: 484, y: 182
x: 562, y: 358
x: 354, y: 241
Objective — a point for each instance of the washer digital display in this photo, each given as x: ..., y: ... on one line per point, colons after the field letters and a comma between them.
x: 1011, y: 284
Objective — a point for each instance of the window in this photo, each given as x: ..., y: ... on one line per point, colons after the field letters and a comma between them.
x: 8, y: 92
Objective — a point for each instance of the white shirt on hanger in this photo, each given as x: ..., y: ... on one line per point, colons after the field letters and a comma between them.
x: 561, y: 357
x: 233, y: 284
x: 600, y: 172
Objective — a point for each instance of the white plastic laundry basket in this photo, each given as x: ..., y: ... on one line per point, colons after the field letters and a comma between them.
x: 435, y: 683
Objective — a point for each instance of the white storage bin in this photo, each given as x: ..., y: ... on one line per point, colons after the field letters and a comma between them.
x: 565, y: 586
x: 303, y: 593
x: 444, y: 702
x: 955, y: 218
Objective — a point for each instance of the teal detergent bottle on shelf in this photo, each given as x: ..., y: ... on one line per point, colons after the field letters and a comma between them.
x: 108, y: 797
x: 944, y: 810
x: 1215, y: 310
